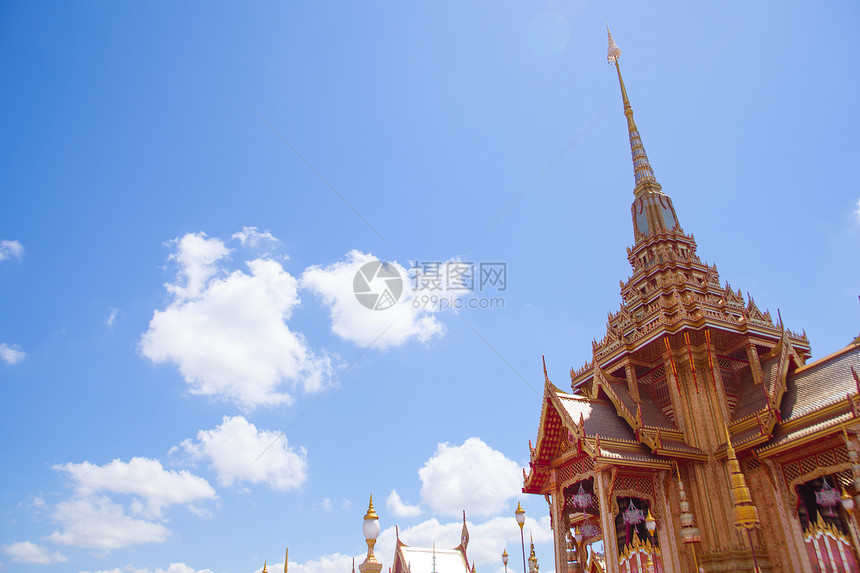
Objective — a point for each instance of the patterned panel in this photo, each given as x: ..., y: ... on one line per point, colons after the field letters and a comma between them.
x: 569, y: 472
x: 791, y: 471
x: 816, y: 464
x: 635, y: 483
x: 753, y: 464
x: 808, y: 465
x: 654, y: 374
x: 564, y: 474
x: 827, y: 458
x: 583, y: 465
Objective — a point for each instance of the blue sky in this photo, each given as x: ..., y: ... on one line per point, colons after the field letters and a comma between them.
x: 188, y: 191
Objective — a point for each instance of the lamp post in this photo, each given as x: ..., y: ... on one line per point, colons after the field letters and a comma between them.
x: 520, y: 514
x: 370, y: 529
x: 505, y: 559
x: 651, y: 526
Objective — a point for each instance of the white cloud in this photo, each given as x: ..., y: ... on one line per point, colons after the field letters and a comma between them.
x: 227, y: 332
x: 490, y: 538
x: 111, y: 317
x: 156, y: 487
x: 96, y: 522
x: 197, y: 258
x: 857, y: 212
x: 400, y: 509
x: 172, y: 568
x: 10, y: 249
x: 238, y: 451
x: 334, y: 563
x: 181, y: 568
x: 11, y: 354
x: 27, y: 552
x: 393, y: 326
x: 251, y: 237
x: 472, y: 477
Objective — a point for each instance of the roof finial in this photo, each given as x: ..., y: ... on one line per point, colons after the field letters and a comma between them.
x: 614, y: 51
x: 746, y: 514
x: 642, y: 170
x: 287, y: 560
x: 545, y: 375
x: 371, y: 513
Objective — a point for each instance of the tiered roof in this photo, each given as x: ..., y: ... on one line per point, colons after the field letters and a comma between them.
x: 818, y: 398
x: 675, y: 320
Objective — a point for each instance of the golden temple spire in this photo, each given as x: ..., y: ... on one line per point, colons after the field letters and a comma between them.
x: 287, y: 560
x: 264, y: 567
x: 746, y: 514
x: 642, y: 171
x: 652, y: 210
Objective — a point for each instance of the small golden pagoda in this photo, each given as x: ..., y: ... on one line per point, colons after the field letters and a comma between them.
x: 698, y: 437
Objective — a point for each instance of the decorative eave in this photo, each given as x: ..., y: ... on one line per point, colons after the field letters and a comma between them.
x: 603, y: 450
x: 696, y: 300
x: 660, y: 325
x: 675, y: 235
x: 664, y: 441
x: 655, y: 438
x: 853, y: 345
x: 824, y: 419
x: 602, y: 379
x: 814, y: 426
x: 550, y: 429
x: 609, y: 457
x: 758, y: 427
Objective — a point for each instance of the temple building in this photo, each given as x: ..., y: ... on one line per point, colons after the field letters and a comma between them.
x: 699, y: 437
x: 409, y: 559
x: 431, y: 560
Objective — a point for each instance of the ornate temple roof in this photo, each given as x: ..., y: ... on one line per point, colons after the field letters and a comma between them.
x: 822, y: 383
x: 598, y: 418
x: 428, y: 560
x: 681, y: 336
